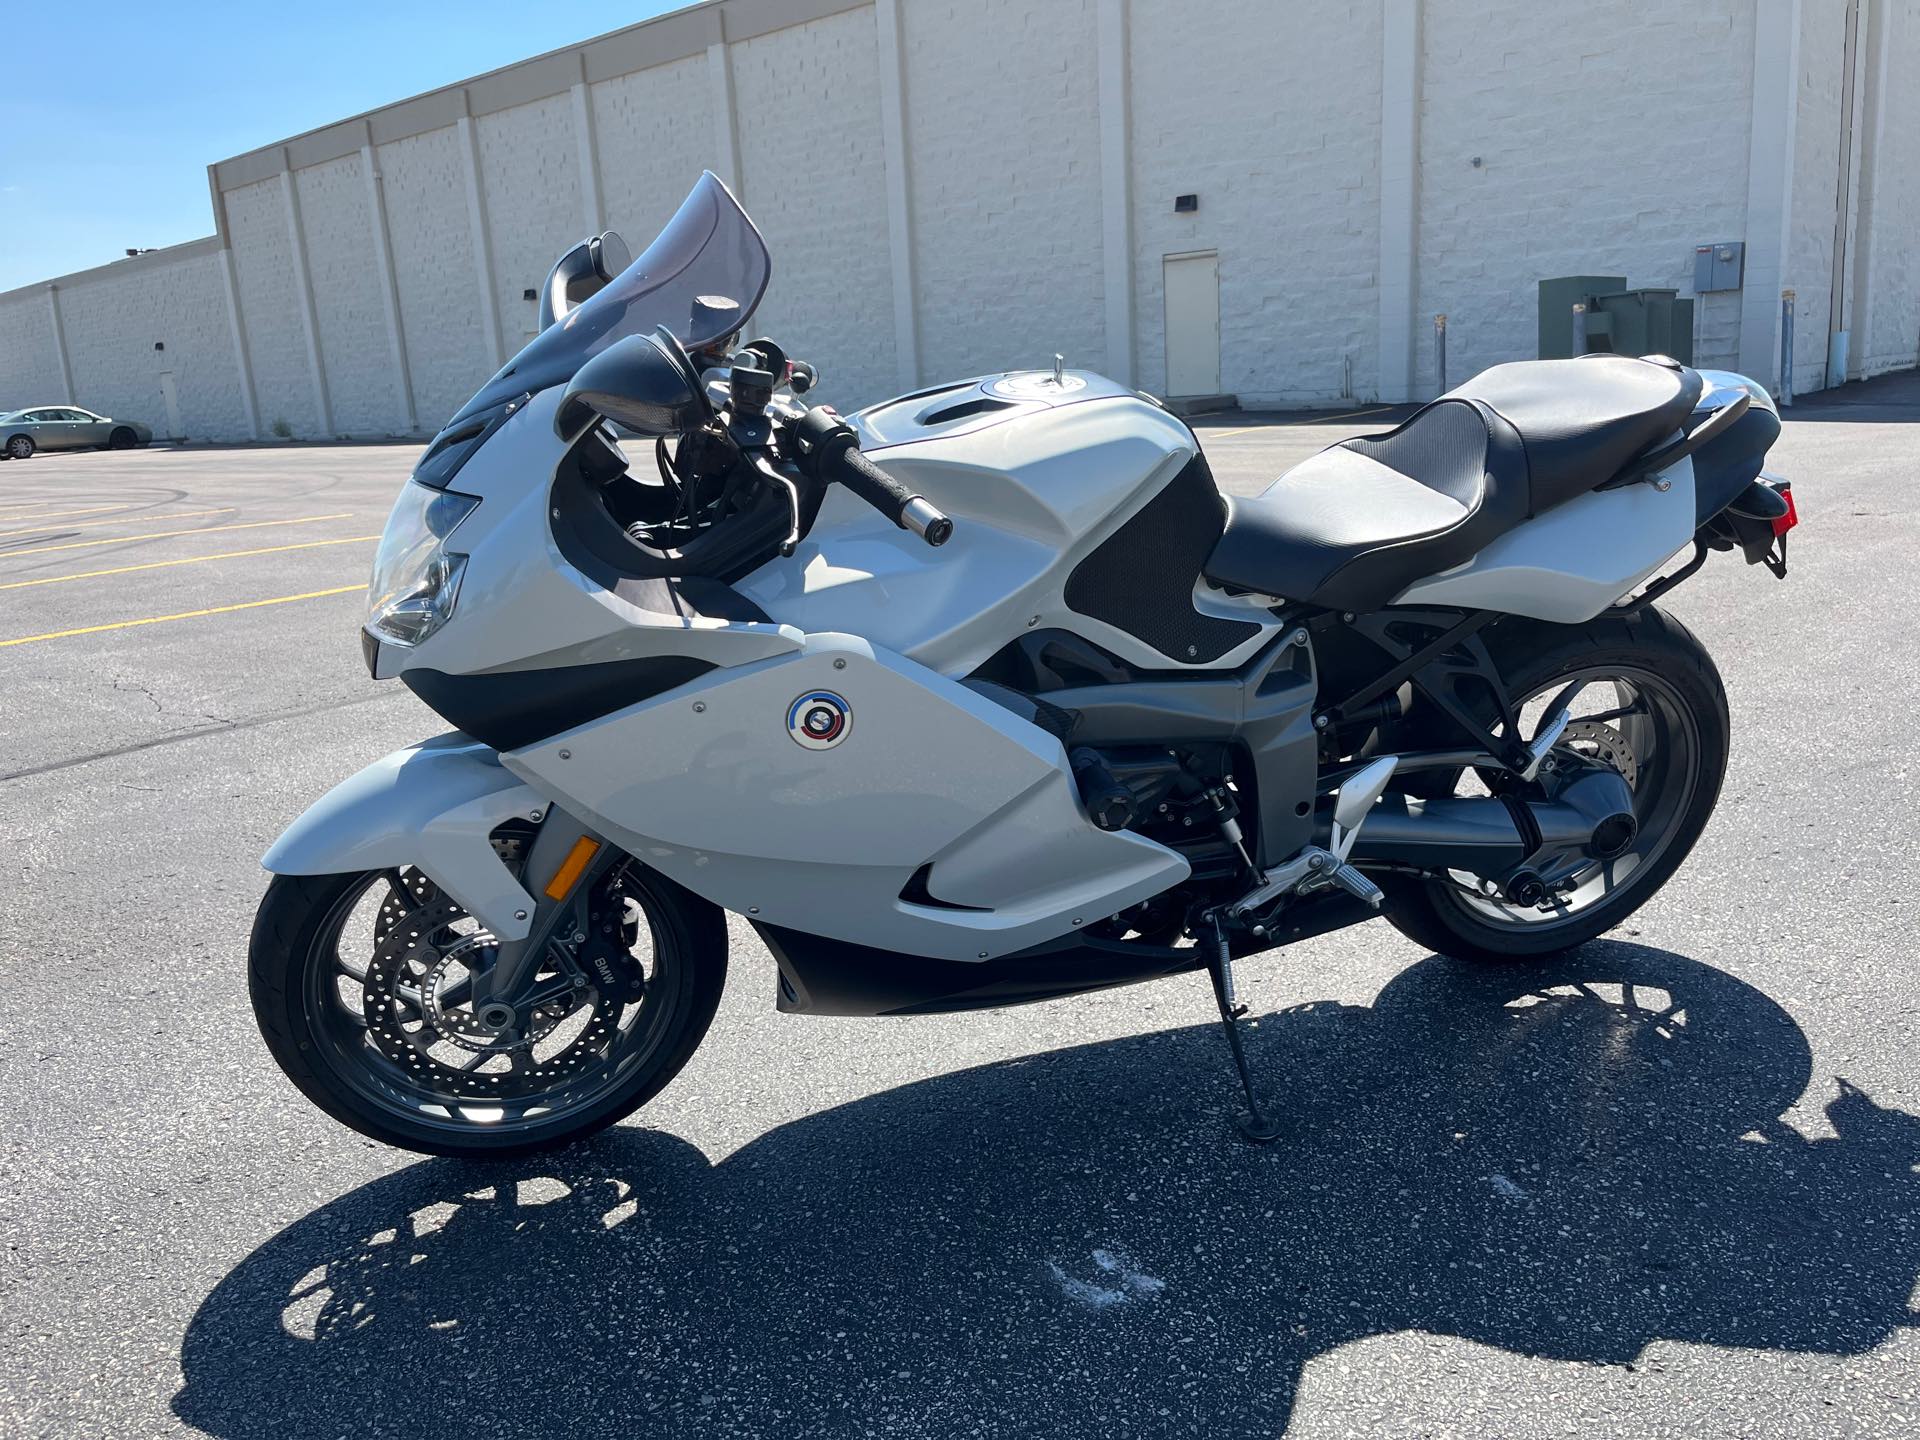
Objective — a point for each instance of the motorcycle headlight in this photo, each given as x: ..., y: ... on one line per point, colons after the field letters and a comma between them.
x: 416, y: 580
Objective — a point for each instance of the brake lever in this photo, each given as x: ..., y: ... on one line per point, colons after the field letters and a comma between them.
x: 766, y: 469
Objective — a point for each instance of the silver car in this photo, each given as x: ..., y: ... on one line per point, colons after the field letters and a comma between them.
x: 66, y: 427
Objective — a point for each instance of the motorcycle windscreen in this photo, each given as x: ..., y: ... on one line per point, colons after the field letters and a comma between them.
x: 702, y: 278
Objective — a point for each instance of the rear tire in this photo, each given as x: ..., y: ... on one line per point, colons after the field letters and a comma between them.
x: 296, y: 948
x: 122, y: 439
x: 1532, y: 657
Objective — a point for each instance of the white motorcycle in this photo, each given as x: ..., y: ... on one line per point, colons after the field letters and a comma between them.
x: 1025, y: 709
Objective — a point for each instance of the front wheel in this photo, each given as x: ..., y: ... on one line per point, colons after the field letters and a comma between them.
x: 20, y: 447
x: 369, y: 991
x: 1650, y: 704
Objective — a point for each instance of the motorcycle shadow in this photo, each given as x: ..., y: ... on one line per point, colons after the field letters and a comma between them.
x: 1569, y: 1160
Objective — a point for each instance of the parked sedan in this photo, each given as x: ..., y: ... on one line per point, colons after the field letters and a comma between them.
x: 66, y: 427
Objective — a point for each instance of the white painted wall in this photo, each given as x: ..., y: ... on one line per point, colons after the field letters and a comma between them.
x: 1281, y: 142
x: 433, y: 269
x: 270, y: 302
x: 1891, y: 293
x: 812, y: 177
x: 346, y: 290
x: 656, y: 136
x: 29, y: 367
x: 530, y: 167
x: 1003, y: 166
x: 112, y: 324
x: 1611, y: 139
x: 1032, y: 203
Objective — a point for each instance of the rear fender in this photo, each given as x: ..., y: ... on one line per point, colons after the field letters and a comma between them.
x: 432, y: 806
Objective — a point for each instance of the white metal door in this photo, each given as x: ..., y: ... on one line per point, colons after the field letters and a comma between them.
x: 1192, y: 285
x: 171, y: 398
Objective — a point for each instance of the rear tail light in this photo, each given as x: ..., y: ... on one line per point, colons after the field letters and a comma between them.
x: 1786, y: 522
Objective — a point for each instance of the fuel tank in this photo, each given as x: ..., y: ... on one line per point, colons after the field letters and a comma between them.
x: 1077, y: 503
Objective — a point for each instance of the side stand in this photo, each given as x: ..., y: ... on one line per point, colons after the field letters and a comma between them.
x: 1255, y: 1125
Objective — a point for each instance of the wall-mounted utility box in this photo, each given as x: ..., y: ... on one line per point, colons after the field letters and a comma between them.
x: 1719, y: 266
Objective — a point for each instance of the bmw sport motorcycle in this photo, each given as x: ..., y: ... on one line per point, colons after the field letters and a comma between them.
x: 981, y: 695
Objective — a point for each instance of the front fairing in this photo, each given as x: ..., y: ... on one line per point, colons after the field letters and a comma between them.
x: 523, y: 606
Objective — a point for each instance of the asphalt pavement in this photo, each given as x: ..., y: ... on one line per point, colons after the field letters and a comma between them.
x: 1665, y: 1186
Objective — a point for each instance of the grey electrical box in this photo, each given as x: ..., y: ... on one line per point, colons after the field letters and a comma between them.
x: 1718, y: 267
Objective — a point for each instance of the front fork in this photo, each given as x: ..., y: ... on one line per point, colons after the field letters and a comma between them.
x: 562, y: 867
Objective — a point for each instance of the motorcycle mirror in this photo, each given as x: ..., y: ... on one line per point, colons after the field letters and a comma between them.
x: 644, y: 382
x: 610, y: 255
x: 581, y: 273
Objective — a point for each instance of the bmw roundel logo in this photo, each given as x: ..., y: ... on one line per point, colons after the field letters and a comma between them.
x: 819, y: 720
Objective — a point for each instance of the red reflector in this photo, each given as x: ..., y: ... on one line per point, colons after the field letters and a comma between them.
x: 1787, y: 521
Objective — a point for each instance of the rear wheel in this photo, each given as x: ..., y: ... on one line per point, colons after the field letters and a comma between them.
x: 1650, y: 704
x: 122, y: 439
x: 364, y: 986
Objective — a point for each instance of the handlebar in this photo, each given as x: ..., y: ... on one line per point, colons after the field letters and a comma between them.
x: 886, y: 494
x: 834, y: 449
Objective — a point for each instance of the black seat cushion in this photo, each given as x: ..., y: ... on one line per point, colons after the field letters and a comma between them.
x: 1356, y: 524
x: 1582, y: 420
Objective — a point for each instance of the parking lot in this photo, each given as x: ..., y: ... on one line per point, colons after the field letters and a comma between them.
x: 1669, y: 1185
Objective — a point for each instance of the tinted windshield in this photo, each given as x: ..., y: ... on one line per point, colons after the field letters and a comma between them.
x: 709, y: 250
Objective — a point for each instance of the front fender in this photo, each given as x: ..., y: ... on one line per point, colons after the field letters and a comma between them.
x: 431, y: 806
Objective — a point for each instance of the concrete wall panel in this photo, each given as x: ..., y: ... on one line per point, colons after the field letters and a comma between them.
x: 112, y: 325
x: 434, y: 272
x: 1282, y: 146
x: 270, y: 301
x: 813, y: 180
x: 530, y: 167
x: 29, y: 365
x: 334, y: 214
x: 1003, y: 149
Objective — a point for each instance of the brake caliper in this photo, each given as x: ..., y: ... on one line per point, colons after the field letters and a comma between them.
x: 606, y: 956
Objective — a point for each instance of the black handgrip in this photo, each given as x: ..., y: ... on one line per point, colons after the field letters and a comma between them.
x: 870, y: 483
x: 839, y: 459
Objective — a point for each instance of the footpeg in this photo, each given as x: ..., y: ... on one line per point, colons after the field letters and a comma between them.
x: 1314, y: 868
x: 1357, y: 885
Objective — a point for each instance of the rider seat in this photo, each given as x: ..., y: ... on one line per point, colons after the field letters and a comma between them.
x: 1356, y: 524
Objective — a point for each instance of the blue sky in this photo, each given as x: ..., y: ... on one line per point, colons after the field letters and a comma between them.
x: 110, y: 113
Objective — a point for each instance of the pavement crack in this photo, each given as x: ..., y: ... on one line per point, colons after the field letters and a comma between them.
x: 223, y: 728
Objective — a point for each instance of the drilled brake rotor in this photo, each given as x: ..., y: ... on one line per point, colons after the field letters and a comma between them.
x: 414, y: 1017
x: 1601, y: 741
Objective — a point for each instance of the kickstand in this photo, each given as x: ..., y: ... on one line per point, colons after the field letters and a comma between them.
x: 1255, y: 1124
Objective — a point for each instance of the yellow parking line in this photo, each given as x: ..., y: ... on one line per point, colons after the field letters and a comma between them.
x: 183, y: 615
x: 51, y: 514
x: 170, y: 534
x: 120, y: 520
x: 190, y: 560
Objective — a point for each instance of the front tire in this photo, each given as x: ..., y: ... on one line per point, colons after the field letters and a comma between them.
x: 1675, y: 787
x: 20, y: 447
x: 122, y: 439
x: 309, y: 976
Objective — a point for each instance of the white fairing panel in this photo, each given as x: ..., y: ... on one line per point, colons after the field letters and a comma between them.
x: 1032, y: 491
x: 432, y: 805
x: 709, y: 785
x: 1570, y: 563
